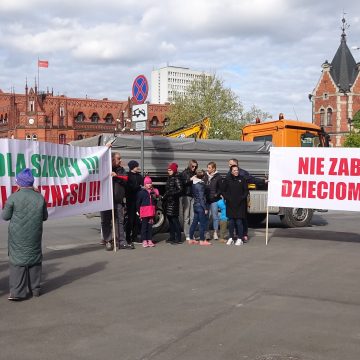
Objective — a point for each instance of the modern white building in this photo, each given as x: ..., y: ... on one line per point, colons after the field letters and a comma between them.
x: 170, y: 79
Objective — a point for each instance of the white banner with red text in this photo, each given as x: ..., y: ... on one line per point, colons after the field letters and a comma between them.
x: 73, y: 180
x: 315, y: 178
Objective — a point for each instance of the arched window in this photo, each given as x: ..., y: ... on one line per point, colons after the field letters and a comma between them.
x: 328, y: 117
x: 1, y: 118
x: 62, y: 139
x: 80, y: 137
x: 154, y: 121
x: 322, y: 117
x: 80, y: 117
x: 94, y: 117
x: 6, y: 117
x: 34, y: 137
x: 28, y: 137
x: 109, y: 118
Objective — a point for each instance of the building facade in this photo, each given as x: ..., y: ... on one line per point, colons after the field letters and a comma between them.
x: 336, y: 97
x: 169, y: 80
x: 61, y: 119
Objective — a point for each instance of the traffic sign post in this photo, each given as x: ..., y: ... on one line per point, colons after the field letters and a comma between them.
x: 140, y: 91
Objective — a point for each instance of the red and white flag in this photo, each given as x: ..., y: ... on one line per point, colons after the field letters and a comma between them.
x: 43, y: 63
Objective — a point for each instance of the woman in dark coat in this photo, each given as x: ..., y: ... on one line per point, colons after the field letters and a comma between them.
x: 173, y: 191
x: 235, y: 193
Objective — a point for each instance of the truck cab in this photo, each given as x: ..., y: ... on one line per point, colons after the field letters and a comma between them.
x: 287, y: 133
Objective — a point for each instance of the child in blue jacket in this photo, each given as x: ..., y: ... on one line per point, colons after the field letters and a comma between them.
x: 223, y: 220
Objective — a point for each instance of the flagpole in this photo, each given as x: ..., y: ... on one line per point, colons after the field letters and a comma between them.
x: 38, y: 75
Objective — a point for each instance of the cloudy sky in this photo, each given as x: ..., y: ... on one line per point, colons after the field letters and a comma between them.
x: 269, y: 52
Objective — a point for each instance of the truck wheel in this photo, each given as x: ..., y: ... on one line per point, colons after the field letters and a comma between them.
x: 161, y: 224
x: 255, y: 219
x: 296, y: 217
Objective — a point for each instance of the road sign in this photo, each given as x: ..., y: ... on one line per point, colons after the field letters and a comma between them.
x: 139, y: 112
x: 140, y: 89
x: 140, y: 126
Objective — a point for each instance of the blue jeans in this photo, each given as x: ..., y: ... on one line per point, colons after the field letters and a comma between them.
x: 215, y: 215
x: 239, y: 228
x: 199, y: 217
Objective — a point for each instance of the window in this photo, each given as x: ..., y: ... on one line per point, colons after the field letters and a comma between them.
x: 6, y: 117
x: 94, y: 118
x: 1, y: 118
x: 80, y: 117
x: 154, y: 121
x: 328, y: 117
x: 28, y: 137
x: 32, y: 105
x: 109, y: 118
x: 325, y: 96
x: 263, y: 138
x: 309, y: 140
x: 62, y: 111
x: 322, y: 117
x: 62, y: 139
x: 80, y: 137
x: 34, y: 137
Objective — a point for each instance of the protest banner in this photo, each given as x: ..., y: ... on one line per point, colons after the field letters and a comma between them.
x: 73, y: 180
x: 315, y: 178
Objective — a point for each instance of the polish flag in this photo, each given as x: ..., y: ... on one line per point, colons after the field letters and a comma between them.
x: 43, y: 63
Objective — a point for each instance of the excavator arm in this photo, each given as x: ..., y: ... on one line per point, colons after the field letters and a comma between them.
x: 198, y: 130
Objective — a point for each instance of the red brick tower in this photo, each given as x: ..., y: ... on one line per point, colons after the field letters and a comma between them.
x: 336, y: 97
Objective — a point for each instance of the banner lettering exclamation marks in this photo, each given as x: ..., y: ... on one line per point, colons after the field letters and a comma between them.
x: 98, y: 189
x: 91, y: 195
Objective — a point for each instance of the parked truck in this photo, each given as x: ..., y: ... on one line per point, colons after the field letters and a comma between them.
x: 160, y: 151
x: 286, y: 133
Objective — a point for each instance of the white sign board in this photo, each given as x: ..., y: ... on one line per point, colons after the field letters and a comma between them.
x: 73, y: 180
x: 315, y: 178
x: 140, y: 126
x: 139, y: 112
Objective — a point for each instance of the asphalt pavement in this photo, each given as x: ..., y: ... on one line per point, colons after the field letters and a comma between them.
x: 296, y: 298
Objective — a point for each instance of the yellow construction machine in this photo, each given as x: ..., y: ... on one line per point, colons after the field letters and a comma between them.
x: 197, y: 130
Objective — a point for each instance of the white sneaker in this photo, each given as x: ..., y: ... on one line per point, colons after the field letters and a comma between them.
x: 230, y: 242
x: 188, y: 238
x: 239, y: 242
x: 215, y: 236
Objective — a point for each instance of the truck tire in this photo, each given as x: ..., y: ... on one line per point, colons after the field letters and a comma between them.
x: 161, y: 224
x: 255, y: 219
x: 296, y: 217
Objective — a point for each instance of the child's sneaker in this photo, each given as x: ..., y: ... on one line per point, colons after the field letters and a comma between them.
x: 205, y: 243
x: 145, y: 244
x: 150, y: 243
x: 239, y: 242
x: 230, y: 242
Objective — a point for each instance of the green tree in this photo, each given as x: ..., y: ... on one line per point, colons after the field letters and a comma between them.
x: 353, y: 139
x: 207, y: 97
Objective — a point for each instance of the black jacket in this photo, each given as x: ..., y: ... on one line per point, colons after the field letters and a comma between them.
x: 119, y: 184
x: 213, y: 187
x: 186, y: 175
x: 235, y: 193
x: 135, y: 181
x: 250, y: 179
x: 173, y: 190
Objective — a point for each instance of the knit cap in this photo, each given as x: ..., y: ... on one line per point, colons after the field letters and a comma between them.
x: 173, y: 166
x: 25, y: 178
x: 132, y: 164
x: 147, y: 180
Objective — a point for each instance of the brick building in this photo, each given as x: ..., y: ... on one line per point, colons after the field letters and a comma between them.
x: 61, y: 119
x: 336, y: 97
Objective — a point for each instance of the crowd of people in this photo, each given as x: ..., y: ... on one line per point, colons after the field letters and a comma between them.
x: 194, y: 195
x: 203, y: 200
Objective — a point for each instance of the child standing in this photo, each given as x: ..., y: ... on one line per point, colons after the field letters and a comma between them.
x: 223, y: 220
x: 146, y: 200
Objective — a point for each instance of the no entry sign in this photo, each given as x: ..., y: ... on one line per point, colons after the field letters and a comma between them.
x: 140, y: 89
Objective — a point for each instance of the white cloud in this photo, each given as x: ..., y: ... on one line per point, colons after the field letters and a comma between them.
x: 269, y: 51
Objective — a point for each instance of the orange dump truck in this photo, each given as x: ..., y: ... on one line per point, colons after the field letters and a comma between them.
x: 287, y: 133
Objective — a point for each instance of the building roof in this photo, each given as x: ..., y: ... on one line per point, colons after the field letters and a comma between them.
x: 343, y: 66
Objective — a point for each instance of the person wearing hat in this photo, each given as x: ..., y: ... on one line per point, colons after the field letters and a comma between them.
x: 26, y: 209
x: 135, y: 181
x: 173, y: 191
x: 146, y: 207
